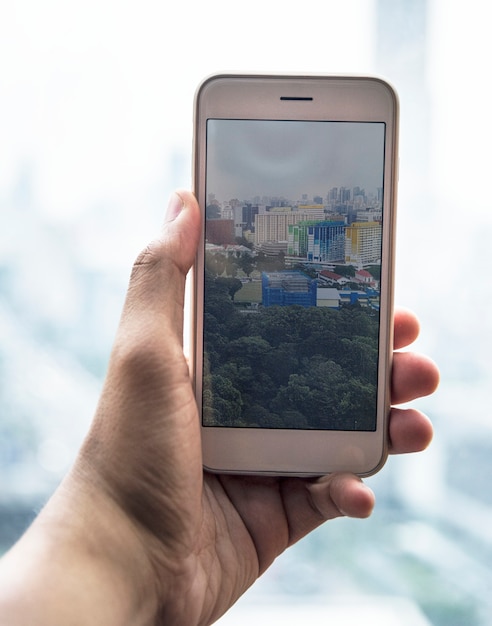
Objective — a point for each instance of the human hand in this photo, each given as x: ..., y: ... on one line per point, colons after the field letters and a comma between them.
x: 153, y: 538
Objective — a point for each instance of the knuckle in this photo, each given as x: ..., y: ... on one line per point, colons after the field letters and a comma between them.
x: 144, y: 363
x: 147, y: 259
x: 153, y: 260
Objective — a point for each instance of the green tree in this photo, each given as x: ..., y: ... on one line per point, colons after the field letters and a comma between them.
x: 231, y: 266
x: 294, y: 419
x: 261, y: 262
x: 293, y: 396
x: 232, y: 285
x: 357, y: 408
x: 261, y: 417
x: 345, y: 270
x: 282, y: 361
x: 375, y: 271
x: 215, y: 263
x: 225, y: 402
x: 218, y: 302
x: 280, y: 261
x: 246, y: 263
x: 359, y: 356
x: 242, y: 241
x: 249, y: 350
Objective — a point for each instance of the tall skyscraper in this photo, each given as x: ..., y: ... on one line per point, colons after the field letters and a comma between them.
x: 363, y: 243
x: 326, y: 242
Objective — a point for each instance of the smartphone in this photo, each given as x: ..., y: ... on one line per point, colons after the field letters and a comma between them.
x: 296, y: 178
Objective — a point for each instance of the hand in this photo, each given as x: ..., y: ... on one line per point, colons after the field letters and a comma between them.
x: 138, y: 533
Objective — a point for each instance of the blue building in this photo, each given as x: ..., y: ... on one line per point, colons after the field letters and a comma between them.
x: 287, y: 288
x: 326, y: 242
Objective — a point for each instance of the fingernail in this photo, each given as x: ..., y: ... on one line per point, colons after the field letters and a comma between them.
x: 174, y: 207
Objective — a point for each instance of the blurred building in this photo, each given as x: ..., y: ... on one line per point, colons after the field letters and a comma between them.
x: 288, y: 288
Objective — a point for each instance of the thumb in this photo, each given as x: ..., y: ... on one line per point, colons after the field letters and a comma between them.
x: 155, y: 295
x: 179, y: 237
x: 181, y: 230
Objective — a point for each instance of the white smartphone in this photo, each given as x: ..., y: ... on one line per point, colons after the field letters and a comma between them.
x: 293, y: 283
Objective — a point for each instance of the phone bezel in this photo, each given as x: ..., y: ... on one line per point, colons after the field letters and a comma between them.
x: 317, y: 98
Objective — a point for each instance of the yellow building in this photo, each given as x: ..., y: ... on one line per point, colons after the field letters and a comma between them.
x: 363, y: 243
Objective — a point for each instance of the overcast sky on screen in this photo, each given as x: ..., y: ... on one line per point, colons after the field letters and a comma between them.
x: 291, y: 158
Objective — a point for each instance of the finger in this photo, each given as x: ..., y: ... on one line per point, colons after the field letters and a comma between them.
x: 155, y: 298
x: 413, y: 375
x: 147, y: 356
x: 165, y: 262
x: 181, y: 230
x: 342, y: 494
x: 147, y: 411
x: 309, y: 504
x: 409, y: 431
x: 406, y: 327
x: 279, y: 512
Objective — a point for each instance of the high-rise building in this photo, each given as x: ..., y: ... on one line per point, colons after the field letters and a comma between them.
x: 219, y: 231
x: 363, y: 243
x: 326, y: 242
x: 333, y: 194
x: 344, y: 195
x: 274, y: 225
x: 314, y: 211
x: 249, y: 213
x: 297, y: 238
x: 369, y: 215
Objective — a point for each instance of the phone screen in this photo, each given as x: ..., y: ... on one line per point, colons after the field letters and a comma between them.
x: 293, y: 241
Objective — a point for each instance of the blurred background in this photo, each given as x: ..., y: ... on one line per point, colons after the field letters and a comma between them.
x: 96, y: 131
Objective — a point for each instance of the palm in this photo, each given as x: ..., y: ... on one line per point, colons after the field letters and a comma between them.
x: 211, y: 535
x: 223, y: 530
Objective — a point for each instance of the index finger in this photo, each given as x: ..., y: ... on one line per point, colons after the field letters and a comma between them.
x: 407, y: 327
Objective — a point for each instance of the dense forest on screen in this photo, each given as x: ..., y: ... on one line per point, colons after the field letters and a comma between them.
x: 289, y: 366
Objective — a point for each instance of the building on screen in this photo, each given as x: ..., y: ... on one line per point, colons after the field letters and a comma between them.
x: 363, y: 243
x: 288, y: 288
x: 326, y: 242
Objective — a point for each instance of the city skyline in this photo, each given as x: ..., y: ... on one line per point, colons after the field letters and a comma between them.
x: 271, y: 201
x: 280, y: 158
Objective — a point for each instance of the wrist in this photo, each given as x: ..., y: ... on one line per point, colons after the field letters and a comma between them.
x: 80, y: 563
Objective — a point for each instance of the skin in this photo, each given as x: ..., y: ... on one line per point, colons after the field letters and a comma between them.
x: 137, y: 533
